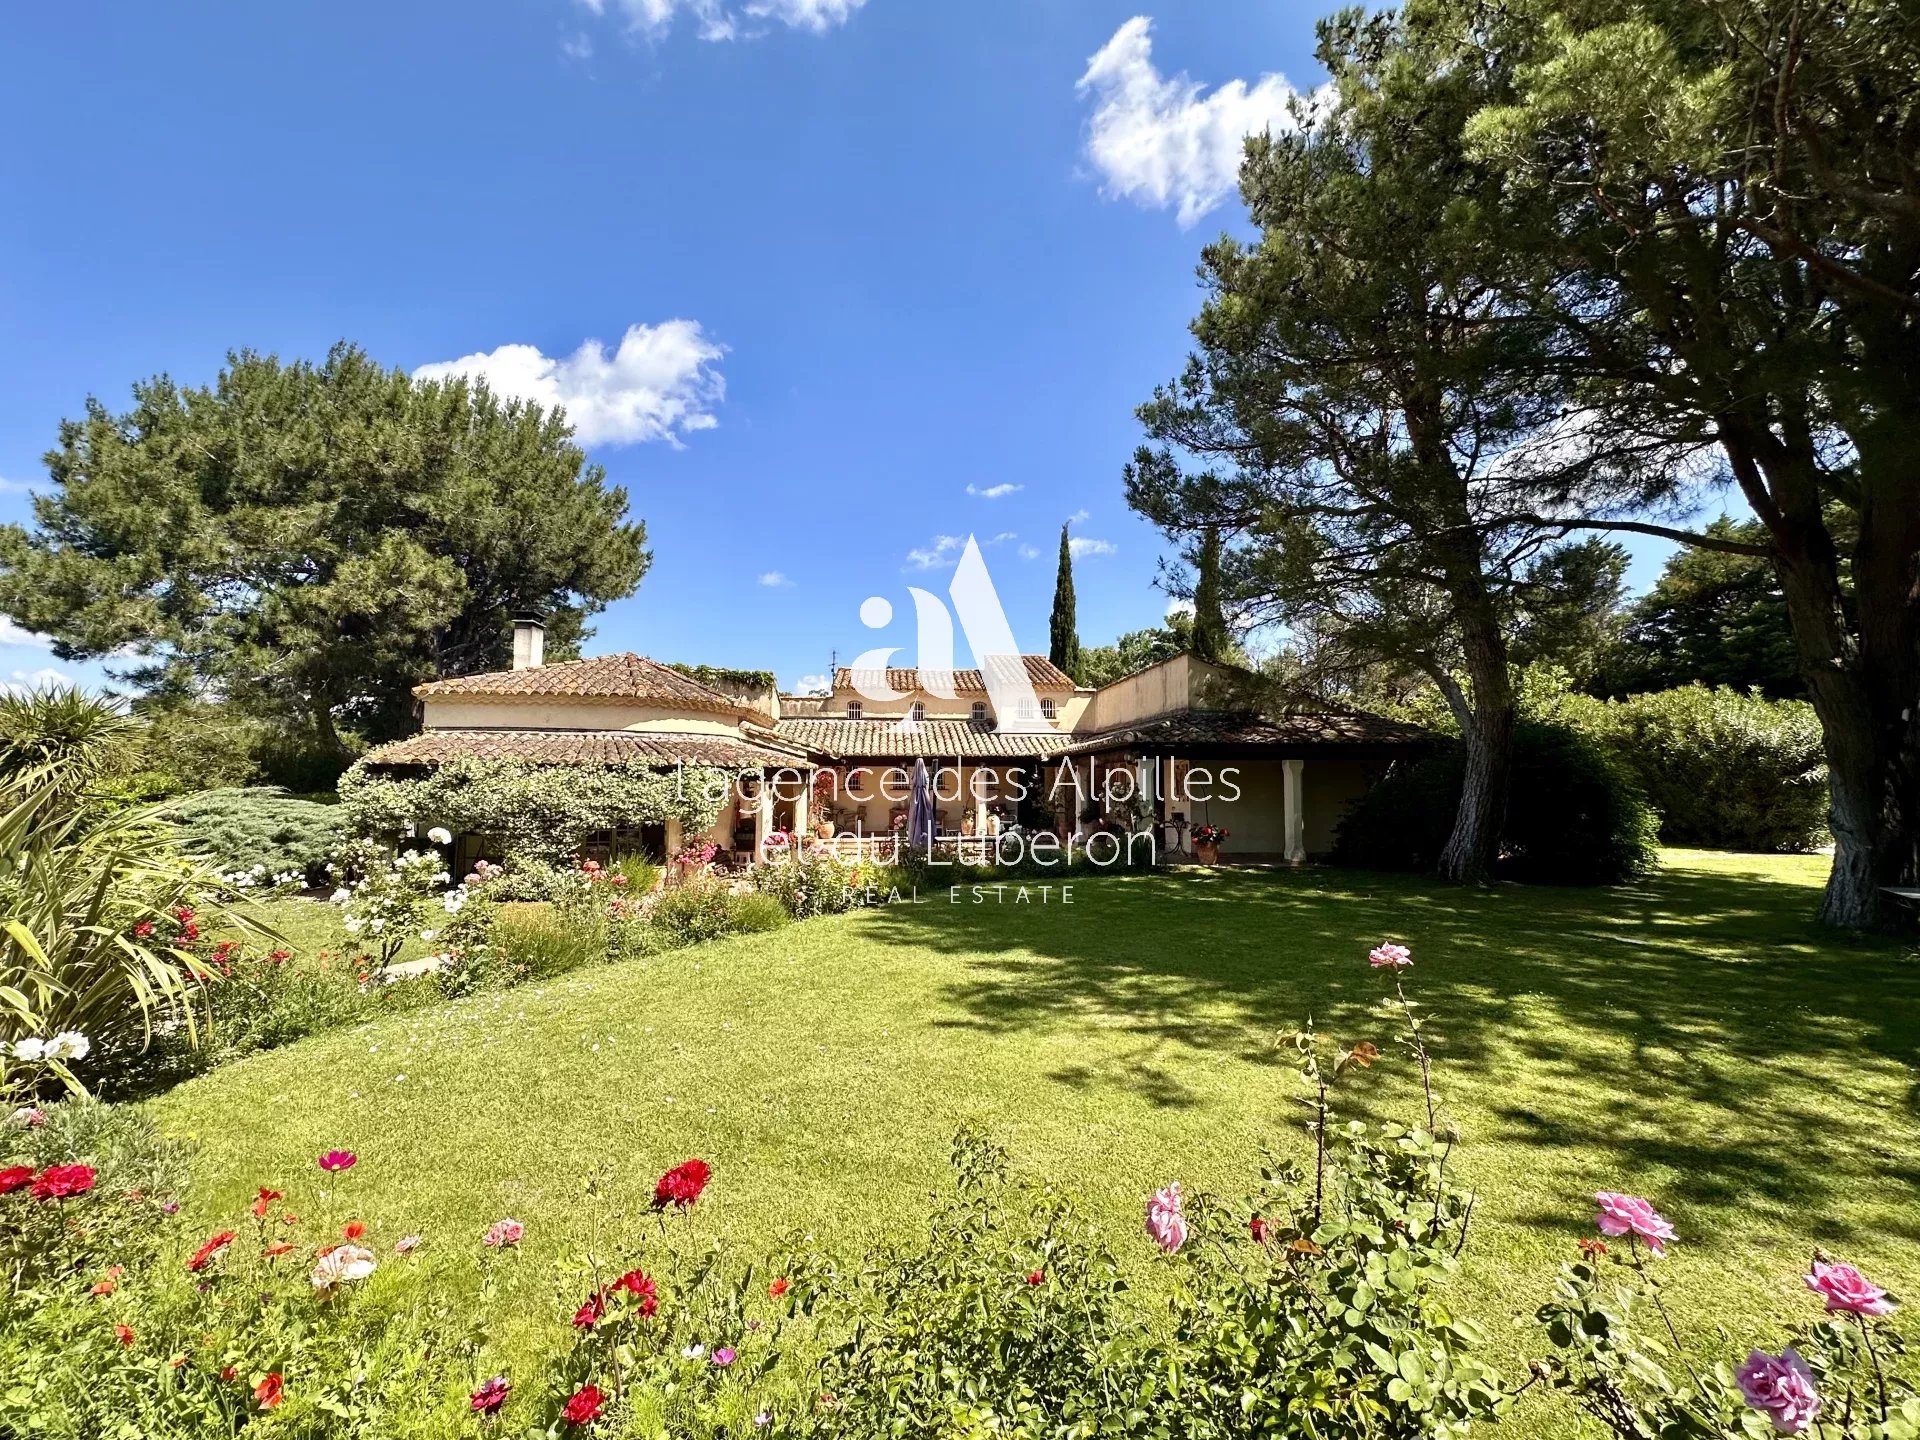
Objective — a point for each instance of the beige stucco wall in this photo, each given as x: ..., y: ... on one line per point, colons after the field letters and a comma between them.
x: 1258, y: 816
x: 1172, y: 685
x: 572, y: 715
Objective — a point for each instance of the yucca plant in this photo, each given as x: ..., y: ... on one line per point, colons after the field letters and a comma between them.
x: 91, y: 941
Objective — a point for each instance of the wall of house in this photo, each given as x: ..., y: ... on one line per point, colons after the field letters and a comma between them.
x: 467, y: 714
x: 1069, y: 705
x: 1172, y: 685
x: 1258, y: 816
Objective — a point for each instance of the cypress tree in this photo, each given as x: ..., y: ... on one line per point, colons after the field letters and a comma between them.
x: 1211, y: 640
x: 1064, y: 635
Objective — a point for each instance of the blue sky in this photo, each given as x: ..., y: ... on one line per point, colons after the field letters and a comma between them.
x: 901, y: 269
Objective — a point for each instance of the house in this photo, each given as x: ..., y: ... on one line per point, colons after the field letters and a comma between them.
x: 1166, y: 746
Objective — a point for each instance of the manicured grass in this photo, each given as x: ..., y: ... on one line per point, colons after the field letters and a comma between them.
x: 1694, y: 1039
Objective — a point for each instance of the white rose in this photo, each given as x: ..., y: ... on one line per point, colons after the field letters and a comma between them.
x: 341, y: 896
x: 352, y: 924
x: 349, y: 1262
x: 427, y: 935
x: 439, y: 836
x: 377, y: 924
x: 68, y: 1045
x: 30, y: 1049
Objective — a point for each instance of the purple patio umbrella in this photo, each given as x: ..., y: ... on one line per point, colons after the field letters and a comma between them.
x: 920, y: 811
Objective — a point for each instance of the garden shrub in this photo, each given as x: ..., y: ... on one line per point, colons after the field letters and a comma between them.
x: 260, y: 829
x: 535, y: 946
x: 753, y: 914
x: 1725, y: 769
x: 1574, y: 817
x: 807, y: 885
x: 697, y: 910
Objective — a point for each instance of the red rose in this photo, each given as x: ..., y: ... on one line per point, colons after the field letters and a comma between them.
x: 270, y: 1391
x: 778, y: 1287
x: 681, y: 1186
x: 591, y: 1313
x: 639, y: 1285
x: 205, y: 1254
x: 124, y: 1334
x: 15, y: 1177
x: 584, y: 1406
x: 1036, y: 1277
x: 59, y: 1182
x: 1257, y: 1228
x: 491, y: 1395
x: 144, y: 930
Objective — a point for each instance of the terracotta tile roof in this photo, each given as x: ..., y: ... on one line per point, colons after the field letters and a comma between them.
x: 935, y: 739
x: 1042, y: 674
x: 604, y: 677
x: 586, y: 747
x: 1291, y: 729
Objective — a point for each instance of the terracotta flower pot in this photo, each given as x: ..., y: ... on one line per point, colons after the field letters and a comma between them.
x: 1206, y: 852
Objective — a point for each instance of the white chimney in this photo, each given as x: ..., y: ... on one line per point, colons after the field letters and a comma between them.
x: 529, y: 642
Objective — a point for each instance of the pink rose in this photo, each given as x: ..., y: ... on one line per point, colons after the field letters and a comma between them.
x: 1780, y: 1387
x: 1630, y: 1215
x: 1845, y: 1288
x: 1165, y: 1223
x: 504, y: 1232
x: 1388, y: 956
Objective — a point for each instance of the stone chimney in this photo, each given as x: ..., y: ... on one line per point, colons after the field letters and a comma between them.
x: 529, y: 641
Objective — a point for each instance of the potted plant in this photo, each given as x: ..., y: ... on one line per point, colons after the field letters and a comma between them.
x: 1206, y: 843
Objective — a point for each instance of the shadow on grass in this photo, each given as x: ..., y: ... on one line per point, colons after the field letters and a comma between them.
x: 1698, y: 1022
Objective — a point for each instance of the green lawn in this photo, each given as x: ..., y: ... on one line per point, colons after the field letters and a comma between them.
x: 1694, y: 1039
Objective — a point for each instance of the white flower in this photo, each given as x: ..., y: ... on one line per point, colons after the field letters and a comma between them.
x: 349, y: 1262
x: 427, y: 935
x: 31, y: 1049
x: 693, y: 1352
x: 439, y: 836
x: 453, y: 900
x: 377, y: 924
x: 353, y: 923
x: 25, y: 1118
x: 68, y: 1045
x: 341, y: 896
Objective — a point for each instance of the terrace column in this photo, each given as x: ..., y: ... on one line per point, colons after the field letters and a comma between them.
x: 979, y: 804
x: 676, y: 842
x: 800, y: 826
x: 1291, y: 770
x: 763, y: 819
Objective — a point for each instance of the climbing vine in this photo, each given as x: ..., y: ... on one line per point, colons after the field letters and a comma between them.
x: 542, y: 812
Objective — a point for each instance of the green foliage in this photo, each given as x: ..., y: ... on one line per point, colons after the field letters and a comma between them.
x: 62, y: 737
x: 1134, y: 651
x: 1574, y: 817
x: 389, y: 898
x: 1722, y: 768
x: 533, y: 943
x: 542, y: 813
x: 1211, y: 638
x: 1712, y: 619
x: 186, y: 745
x: 1063, y: 627
x: 807, y: 885
x: 237, y: 830
x: 314, y: 540
x: 699, y: 909
x: 727, y: 680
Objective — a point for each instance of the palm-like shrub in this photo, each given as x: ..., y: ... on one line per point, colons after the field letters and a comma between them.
x: 96, y: 905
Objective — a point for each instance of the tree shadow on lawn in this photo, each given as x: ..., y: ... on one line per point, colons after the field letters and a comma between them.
x: 1698, y: 1024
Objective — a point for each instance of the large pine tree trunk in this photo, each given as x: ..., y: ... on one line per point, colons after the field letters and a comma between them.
x: 1473, y: 849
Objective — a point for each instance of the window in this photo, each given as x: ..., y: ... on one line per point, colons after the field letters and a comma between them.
x: 917, y: 713
x: 853, y: 709
x: 979, y: 710
x: 1046, y: 708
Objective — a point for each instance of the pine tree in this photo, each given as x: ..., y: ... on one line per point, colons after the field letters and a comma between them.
x: 1064, y: 635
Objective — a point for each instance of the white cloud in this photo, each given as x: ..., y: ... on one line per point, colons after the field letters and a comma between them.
x: 19, y: 635
x: 24, y: 682
x: 936, y: 551
x: 1029, y: 552
x: 719, y: 20
x: 1157, y: 141
x: 13, y: 487
x: 660, y: 384
x: 1003, y: 537
x: 1177, y: 606
x: 994, y: 492
x: 811, y: 685
x: 577, y: 46
x: 1078, y: 516
x: 1081, y: 545
x: 775, y: 580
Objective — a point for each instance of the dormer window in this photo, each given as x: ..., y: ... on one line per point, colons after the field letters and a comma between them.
x: 1046, y: 707
x: 853, y: 710
x: 979, y: 711
x: 917, y: 712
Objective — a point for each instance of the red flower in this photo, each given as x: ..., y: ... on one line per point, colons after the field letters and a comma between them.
x: 639, y: 1285
x: 15, y: 1177
x: 274, y: 1252
x: 267, y: 1197
x: 189, y: 931
x: 353, y: 1229
x: 205, y: 1254
x: 336, y: 1160
x: 144, y: 930
x: 124, y: 1334
x: 778, y: 1287
x: 584, y: 1406
x: 491, y: 1395
x: 1258, y: 1228
x: 103, y: 1287
x: 591, y: 1313
x: 58, y: 1182
x: 228, y: 1372
x: 270, y: 1391
x: 279, y: 957
x: 1036, y: 1277
x: 681, y: 1186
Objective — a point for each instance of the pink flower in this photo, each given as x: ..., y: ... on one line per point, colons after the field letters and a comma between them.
x: 1780, y: 1387
x: 723, y: 1357
x: 406, y: 1245
x: 1165, y: 1223
x: 1630, y: 1215
x: 491, y: 1395
x: 1388, y: 956
x: 1845, y: 1288
x: 503, y: 1232
x: 336, y: 1160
